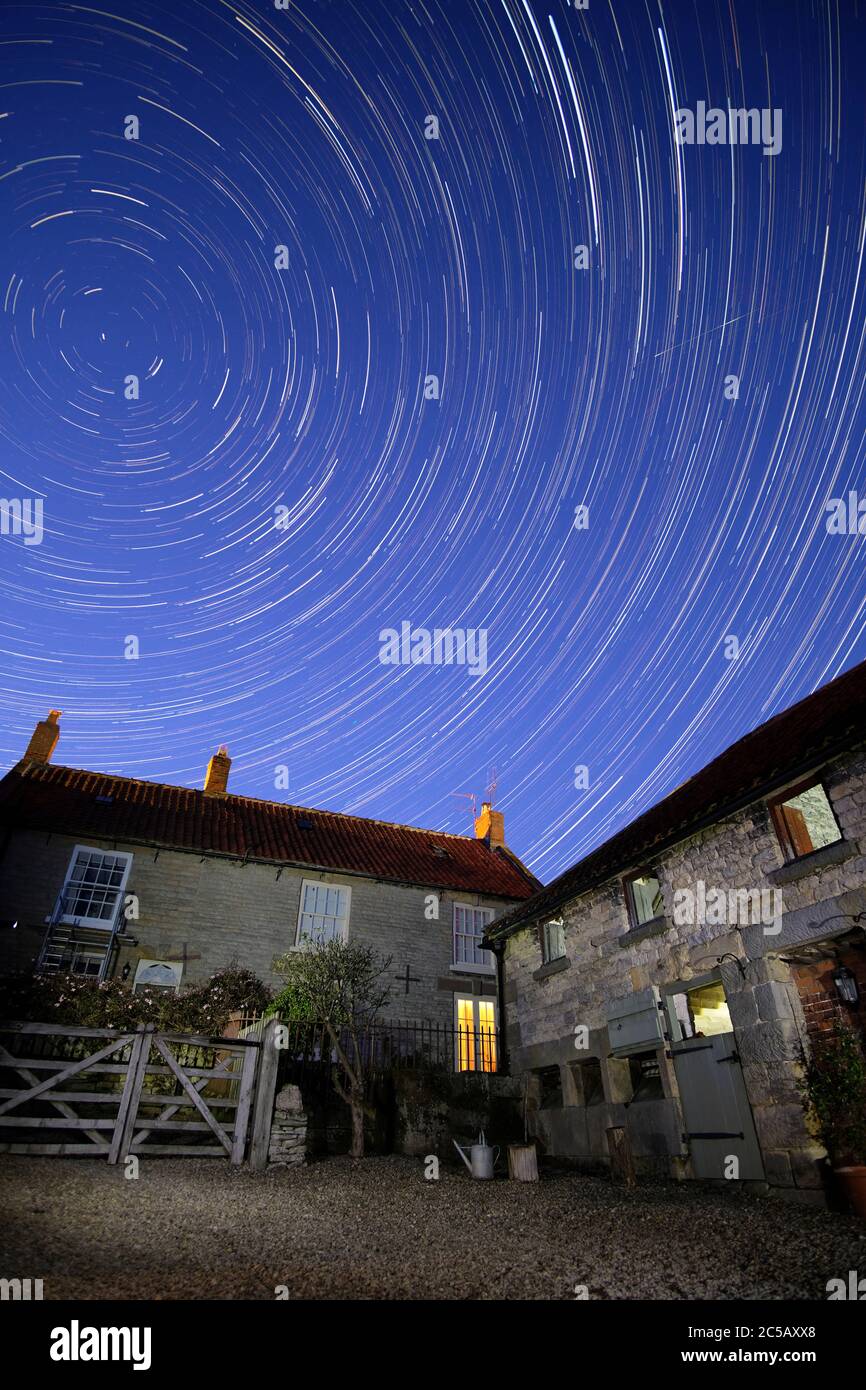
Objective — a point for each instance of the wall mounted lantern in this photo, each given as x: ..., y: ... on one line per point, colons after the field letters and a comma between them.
x: 846, y: 985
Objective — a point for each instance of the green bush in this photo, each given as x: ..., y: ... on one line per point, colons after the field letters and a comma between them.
x: 83, y: 1003
x: 835, y: 1088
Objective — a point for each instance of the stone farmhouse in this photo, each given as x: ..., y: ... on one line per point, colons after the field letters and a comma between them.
x: 667, y: 984
x: 163, y: 885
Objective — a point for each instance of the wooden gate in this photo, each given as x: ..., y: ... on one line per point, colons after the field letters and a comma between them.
x: 125, y: 1093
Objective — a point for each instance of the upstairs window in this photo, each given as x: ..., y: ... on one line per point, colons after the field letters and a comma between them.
x: 93, y: 890
x: 469, y: 925
x: 804, y: 820
x: 643, y: 896
x: 553, y: 940
x: 323, y: 914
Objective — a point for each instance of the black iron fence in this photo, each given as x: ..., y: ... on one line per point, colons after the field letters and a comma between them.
x: 383, y: 1046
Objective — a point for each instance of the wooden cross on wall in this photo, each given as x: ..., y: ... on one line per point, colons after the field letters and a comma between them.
x: 184, y: 957
x: 408, y: 979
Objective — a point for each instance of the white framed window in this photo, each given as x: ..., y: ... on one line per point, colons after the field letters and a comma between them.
x: 469, y: 924
x: 157, y: 974
x: 475, y: 1023
x: 93, y: 890
x: 553, y: 940
x: 324, y: 912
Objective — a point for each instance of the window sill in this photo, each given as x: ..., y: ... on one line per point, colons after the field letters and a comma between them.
x: 311, y: 945
x: 464, y: 969
x: 88, y: 923
x: 656, y: 926
x: 837, y: 853
x: 551, y: 967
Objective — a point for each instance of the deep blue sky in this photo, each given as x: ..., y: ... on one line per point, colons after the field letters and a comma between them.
x: 303, y: 388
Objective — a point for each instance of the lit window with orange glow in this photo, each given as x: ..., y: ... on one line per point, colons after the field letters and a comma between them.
x: 476, y: 1034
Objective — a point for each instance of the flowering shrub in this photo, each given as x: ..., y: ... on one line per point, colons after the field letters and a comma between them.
x: 205, y: 1008
x: 73, y: 999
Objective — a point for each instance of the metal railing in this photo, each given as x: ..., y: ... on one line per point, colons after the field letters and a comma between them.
x: 384, y: 1046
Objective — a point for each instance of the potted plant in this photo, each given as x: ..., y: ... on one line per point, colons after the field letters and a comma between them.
x: 835, y: 1086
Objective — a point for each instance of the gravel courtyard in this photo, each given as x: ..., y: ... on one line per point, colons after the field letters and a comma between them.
x: 190, y: 1228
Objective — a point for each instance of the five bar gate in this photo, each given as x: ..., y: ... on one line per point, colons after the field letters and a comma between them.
x: 126, y: 1092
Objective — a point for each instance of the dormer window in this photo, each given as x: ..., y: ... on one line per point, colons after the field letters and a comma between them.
x: 643, y: 897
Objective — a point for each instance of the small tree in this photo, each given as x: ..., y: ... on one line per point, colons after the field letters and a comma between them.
x: 340, y: 985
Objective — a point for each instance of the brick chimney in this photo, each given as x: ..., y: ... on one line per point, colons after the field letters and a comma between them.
x: 217, y: 776
x: 490, y: 826
x: 44, y: 739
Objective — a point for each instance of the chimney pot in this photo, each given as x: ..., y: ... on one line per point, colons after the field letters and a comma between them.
x: 490, y: 826
x: 217, y: 776
x: 44, y: 738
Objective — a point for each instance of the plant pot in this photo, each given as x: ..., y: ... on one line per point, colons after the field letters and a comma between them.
x: 852, y: 1181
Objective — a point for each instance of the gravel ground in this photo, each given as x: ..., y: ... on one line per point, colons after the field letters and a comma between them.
x: 198, y: 1228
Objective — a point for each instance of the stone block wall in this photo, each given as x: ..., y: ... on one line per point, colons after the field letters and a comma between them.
x: 433, y: 1109
x: 209, y: 911
x: 418, y: 1112
x: 288, y: 1142
x: 607, y: 960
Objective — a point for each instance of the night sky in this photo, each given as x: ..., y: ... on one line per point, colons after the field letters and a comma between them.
x: 286, y: 484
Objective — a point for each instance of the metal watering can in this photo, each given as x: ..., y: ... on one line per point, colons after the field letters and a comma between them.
x: 482, y: 1157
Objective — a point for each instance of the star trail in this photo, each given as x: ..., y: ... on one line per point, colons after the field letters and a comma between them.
x: 327, y: 319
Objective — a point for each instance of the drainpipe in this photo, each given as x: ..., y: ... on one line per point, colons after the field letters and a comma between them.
x: 504, y: 1067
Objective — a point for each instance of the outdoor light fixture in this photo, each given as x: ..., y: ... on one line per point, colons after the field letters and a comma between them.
x: 846, y: 985
x: 729, y: 955
x: 124, y: 974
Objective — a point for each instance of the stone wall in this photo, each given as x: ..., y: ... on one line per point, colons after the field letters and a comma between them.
x: 288, y: 1142
x: 434, y: 1109
x: 207, y: 911
x: 418, y: 1112
x: 607, y: 959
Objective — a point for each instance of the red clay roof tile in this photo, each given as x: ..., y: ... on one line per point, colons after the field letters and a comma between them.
x: 44, y: 796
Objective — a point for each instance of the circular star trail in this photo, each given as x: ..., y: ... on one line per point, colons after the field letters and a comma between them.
x: 324, y: 319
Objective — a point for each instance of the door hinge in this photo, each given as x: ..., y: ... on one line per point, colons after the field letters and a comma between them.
x: 734, y: 1057
x: 713, y: 1134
